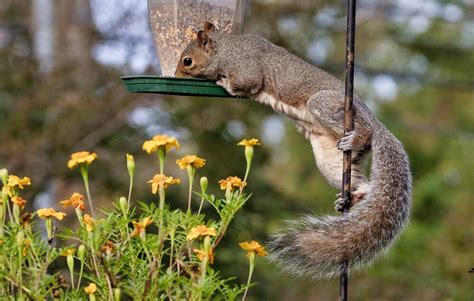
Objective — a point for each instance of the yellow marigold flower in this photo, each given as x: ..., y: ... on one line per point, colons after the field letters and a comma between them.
x: 68, y: 251
x: 83, y: 157
x: 15, y: 181
x: 160, y: 140
x: 76, y: 200
x: 201, y: 230
x: 26, y: 246
x: 249, y: 142
x: 90, y: 289
x: 50, y: 212
x: 89, y: 222
x: 253, y: 246
x: 139, y: 227
x: 201, y: 255
x: 160, y: 180
x: 191, y: 160
x: 19, y: 201
x: 232, y: 182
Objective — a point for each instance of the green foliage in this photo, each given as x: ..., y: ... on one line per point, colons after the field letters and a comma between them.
x: 168, y: 255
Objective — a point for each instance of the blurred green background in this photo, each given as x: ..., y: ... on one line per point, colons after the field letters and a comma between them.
x: 60, y: 92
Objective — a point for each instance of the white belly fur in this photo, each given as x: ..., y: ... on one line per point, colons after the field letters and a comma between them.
x: 328, y: 157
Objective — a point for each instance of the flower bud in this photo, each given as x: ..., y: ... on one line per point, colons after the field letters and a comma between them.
x: 70, y: 262
x: 130, y: 164
x: 203, y: 183
x: 117, y: 294
x: 123, y: 205
x: 4, y: 176
x: 20, y: 238
x: 81, y: 252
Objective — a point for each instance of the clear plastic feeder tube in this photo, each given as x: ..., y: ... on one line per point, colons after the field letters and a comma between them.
x: 174, y: 24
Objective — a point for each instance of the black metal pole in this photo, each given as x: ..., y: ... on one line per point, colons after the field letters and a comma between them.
x: 348, y: 126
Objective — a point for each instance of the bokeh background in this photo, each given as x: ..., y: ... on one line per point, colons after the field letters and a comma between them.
x: 60, y: 92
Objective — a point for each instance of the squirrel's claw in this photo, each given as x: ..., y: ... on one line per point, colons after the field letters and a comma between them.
x: 339, y: 204
x: 347, y: 141
x: 356, y: 197
x: 224, y: 82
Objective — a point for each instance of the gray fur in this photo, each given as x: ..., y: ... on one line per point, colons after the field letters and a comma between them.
x: 250, y: 66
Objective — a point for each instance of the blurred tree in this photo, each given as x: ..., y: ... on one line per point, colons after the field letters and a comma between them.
x: 414, y: 68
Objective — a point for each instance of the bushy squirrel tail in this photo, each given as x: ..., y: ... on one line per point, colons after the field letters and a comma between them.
x: 316, y: 246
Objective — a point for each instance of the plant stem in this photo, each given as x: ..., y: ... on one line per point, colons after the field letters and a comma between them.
x: 85, y: 177
x: 80, y: 276
x: 251, y: 268
x: 130, y: 191
x: 191, y: 170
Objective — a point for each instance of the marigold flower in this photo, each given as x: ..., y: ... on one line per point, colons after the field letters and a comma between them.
x: 26, y: 246
x: 68, y: 251
x: 201, y: 255
x: 83, y: 157
x: 108, y: 247
x: 253, y: 246
x: 232, y: 182
x: 201, y: 230
x: 76, y: 200
x: 50, y: 212
x: 89, y: 222
x: 160, y: 180
x: 160, y: 140
x: 139, y: 227
x: 90, y: 289
x: 19, y: 201
x: 15, y: 181
x: 249, y: 142
x: 191, y: 160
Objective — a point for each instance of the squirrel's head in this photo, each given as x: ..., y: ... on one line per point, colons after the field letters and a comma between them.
x: 197, y: 56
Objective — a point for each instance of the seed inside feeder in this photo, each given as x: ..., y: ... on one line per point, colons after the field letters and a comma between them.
x: 176, y: 22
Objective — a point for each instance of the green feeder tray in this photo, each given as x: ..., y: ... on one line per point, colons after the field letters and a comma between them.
x: 174, y: 86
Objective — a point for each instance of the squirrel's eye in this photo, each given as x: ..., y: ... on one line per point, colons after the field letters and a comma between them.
x: 187, y: 62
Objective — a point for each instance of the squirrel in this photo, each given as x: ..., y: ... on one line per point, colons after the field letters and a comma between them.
x: 250, y: 66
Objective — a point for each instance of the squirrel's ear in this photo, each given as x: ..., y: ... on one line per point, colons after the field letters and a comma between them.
x: 209, y: 27
x: 204, y: 41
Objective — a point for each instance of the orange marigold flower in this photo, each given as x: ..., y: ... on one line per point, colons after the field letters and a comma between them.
x: 15, y: 181
x: 83, y: 157
x: 201, y: 255
x: 249, y: 142
x: 19, y: 201
x: 160, y: 140
x: 90, y: 289
x: 89, y: 222
x: 253, y: 246
x: 108, y: 247
x: 76, y: 200
x: 139, y: 227
x: 68, y: 251
x: 201, y: 230
x: 232, y: 182
x: 191, y: 160
x: 160, y: 180
x: 50, y: 212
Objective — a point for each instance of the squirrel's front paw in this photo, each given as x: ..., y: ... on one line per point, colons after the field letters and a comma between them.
x: 224, y: 82
x: 347, y: 141
x: 356, y: 197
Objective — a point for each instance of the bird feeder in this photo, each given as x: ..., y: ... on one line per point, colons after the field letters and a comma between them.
x: 174, y: 24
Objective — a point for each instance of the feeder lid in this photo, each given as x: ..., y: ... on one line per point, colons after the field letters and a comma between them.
x: 174, y: 86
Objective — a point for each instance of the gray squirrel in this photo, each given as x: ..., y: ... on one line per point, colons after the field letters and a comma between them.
x: 250, y: 66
